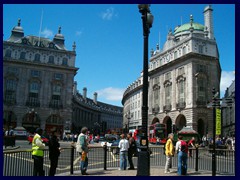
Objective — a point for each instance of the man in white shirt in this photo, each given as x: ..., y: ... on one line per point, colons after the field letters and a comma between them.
x: 123, y: 146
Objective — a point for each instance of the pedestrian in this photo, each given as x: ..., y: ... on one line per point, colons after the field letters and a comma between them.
x: 204, y: 140
x: 169, y: 152
x: 131, y: 150
x: 54, y: 152
x: 191, y: 144
x: 158, y: 141
x: 37, y: 153
x: 123, y: 146
x: 83, y: 150
x: 233, y: 143
x: 182, y: 150
x: 229, y: 143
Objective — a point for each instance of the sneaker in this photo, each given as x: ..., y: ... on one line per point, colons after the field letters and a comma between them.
x: 167, y: 172
x: 130, y: 168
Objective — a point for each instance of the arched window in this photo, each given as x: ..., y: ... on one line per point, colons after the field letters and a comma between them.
x: 51, y: 60
x: 23, y: 55
x: 37, y: 57
x: 65, y: 62
x: 8, y: 53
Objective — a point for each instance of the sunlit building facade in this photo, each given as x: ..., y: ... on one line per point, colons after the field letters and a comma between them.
x: 181, y: 77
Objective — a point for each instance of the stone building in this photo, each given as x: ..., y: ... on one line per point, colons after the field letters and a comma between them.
x: 181, y: 77
x: 228, y: 111
x: 38, y: 76
x: 99, y: 117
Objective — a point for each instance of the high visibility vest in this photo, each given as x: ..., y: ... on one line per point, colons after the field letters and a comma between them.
x: 36, y: 149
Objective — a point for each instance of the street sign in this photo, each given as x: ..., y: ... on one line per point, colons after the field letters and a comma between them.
x: 218, y: 121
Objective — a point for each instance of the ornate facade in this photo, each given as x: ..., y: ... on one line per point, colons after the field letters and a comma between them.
x: 228, y: 111
x: 181, y: 78
x: 38, y: 76
x: 39, y: 88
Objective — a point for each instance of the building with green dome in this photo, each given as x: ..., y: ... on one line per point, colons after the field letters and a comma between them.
x: 181, y: 76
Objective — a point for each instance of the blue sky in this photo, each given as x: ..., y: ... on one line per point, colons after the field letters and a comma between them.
x: 109, y: 38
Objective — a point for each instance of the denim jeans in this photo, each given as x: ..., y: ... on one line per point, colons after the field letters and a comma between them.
x: 84, y: 165
x: 123, y: 160
x: 182, y: 161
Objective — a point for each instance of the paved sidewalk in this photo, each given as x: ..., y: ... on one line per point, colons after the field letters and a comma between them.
x: 153, y: 172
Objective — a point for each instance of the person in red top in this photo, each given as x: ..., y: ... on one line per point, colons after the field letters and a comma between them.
x: 135, y: 134
x: 191, y: 144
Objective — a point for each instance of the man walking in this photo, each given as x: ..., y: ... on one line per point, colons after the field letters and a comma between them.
x: 169, y: 152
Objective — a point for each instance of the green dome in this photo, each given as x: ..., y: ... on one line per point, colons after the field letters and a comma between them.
x: 186, y: 27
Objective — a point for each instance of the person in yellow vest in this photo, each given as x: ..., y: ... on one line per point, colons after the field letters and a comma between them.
x: 169, y: 152
x: 37, y: 153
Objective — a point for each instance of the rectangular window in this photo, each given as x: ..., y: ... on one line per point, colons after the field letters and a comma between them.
x: 51, y: 60
x: 35, y: 73
x: 180, y: 71
x: 200, y: 49
x: 168, y: 76
x: 58, y: 76
x: 23, y: 55
x: 175, y: 55
x: 184, y: 50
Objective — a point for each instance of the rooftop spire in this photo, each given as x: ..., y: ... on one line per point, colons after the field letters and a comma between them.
x: 59, y: 30
x: 19, y: 22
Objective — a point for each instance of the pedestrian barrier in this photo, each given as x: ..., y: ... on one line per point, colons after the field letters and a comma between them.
x: 20, y: 162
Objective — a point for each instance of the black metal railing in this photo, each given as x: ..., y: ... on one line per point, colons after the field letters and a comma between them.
x: 20, y: 162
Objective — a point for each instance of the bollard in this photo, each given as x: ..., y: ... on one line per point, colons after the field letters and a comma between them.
x: 105, y: 157
x: 196, y: 165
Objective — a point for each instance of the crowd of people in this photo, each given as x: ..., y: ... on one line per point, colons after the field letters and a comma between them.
x: 127, y: 148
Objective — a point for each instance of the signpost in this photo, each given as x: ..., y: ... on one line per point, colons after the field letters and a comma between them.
x: 218, y: 121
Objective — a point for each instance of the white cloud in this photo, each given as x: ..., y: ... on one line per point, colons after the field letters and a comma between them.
x: 109, y: 14
x: 111, y: 94
x: 78, y: 33
x: 47, y: 33
x: 226, y: 80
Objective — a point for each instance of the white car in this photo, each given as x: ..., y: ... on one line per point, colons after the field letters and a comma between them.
x: 106, y: 143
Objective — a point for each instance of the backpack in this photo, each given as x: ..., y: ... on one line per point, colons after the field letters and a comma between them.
x: 184, y: 146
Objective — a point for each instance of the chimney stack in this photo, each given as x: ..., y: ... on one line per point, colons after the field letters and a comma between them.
x: 85, y: 93
x: 95, y: 97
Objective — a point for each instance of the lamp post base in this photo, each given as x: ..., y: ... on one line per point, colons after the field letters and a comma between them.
x: 143, y: 168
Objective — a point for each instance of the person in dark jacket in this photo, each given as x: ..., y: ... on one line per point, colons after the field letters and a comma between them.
x: 54, y: 152
x: 131, y: 150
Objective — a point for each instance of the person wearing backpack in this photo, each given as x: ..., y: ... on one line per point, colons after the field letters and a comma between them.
x: 182, y: 150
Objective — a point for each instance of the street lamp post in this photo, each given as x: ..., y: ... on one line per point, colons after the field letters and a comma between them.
x: 128, y: 116
x: 144, y: 156
x: 214, y: 104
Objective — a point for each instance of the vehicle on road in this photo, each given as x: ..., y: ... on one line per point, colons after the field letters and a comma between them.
x: 45, y: 140
x: 114, y: 147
